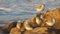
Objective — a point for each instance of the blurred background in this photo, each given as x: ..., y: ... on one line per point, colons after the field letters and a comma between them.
x: 23, y: 9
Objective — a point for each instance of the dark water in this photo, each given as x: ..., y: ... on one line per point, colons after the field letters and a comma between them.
x: 23, y: 9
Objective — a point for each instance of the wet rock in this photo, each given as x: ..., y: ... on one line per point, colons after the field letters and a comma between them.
x: 37, y: 30
x: 9, y: 26
x: 6, y: 29
x: 3, y: 31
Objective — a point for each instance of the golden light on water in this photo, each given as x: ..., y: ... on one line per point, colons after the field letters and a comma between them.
x: 6, y: 9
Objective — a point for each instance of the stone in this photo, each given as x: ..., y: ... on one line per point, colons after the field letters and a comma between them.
x: 37, y: 30
x: 15, y: 31
x: 41, y: 30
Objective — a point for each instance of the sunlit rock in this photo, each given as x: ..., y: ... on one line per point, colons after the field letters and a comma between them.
x: 30, y: 32
x: 37, y: 30
x: 40, y: 30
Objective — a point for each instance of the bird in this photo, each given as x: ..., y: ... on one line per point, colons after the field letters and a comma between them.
x: 40, y: 7
x: 32, y: 23
x: 27, y: 26
x: 17, y: 29
x: 51, y: 22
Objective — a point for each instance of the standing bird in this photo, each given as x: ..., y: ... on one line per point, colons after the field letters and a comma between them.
x: 40, y: 8
x: 17, y: 29
x: 32, y: 23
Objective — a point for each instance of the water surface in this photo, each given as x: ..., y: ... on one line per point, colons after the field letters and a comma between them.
x: 23, y: 9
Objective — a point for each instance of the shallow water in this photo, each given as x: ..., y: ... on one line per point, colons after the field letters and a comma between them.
x: 23, y: 9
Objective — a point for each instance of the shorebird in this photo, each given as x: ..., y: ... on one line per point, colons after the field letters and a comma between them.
x: 50, y: 22
x: 32, y: 23
x: 40, y: 7
x: 17, y: 29
x: 27, y: 26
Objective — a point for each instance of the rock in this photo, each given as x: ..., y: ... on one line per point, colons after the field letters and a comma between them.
x: 10, y: 25
x: 3, y: 31
x: 6, y: 29
x: 30, y: 32
x: 15, y: 31
x: 41, y: 30
x: 37, y: 30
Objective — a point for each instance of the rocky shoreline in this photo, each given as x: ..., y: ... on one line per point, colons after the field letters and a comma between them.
x: 43, y: 23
